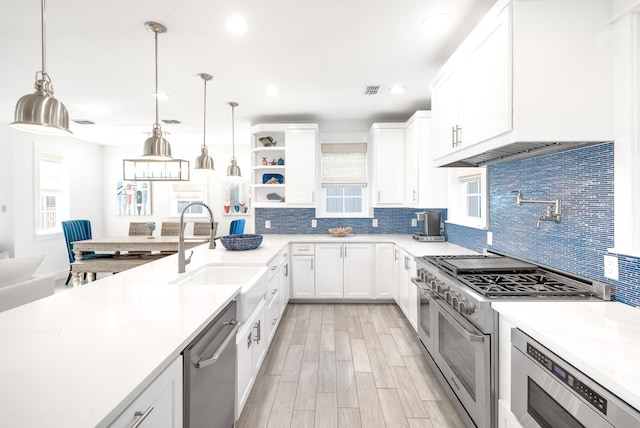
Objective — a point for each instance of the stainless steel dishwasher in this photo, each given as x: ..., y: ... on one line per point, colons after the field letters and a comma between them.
x: 210, y: 374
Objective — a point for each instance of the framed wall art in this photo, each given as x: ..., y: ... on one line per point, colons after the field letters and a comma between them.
x: 133, y: 198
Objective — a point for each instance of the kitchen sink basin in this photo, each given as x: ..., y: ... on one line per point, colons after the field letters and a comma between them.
x: 252, y: 279
x: 222, y: 275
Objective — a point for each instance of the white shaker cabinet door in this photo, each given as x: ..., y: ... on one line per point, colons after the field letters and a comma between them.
x: 358, y: 270
x: 389, y: 154
x: 384, y: 276
x: 303, y: 277
x: 329, y: 282
x: 300, y: 166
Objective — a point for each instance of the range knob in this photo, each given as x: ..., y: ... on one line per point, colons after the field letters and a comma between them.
x: 441, y: 288
x: 465, y: 307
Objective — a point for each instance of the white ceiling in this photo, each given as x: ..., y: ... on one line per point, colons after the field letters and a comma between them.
x: 321, y: 54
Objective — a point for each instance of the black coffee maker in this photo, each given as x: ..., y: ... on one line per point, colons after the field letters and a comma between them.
x: 430, y: 227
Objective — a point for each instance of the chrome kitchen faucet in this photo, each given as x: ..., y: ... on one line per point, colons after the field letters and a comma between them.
x: 182, y: 262
x: 554, y: 208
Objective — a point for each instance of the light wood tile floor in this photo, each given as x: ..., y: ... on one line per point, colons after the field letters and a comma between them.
x: 343, y: 366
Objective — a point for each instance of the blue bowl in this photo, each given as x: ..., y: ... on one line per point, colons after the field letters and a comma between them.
x: 241, y: 242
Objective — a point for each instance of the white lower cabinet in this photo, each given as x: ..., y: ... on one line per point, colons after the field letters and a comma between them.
x: 407, y: 298
x: 302, y: 271
x: 159, y: 405
x: 251, y: 348
x: 344, y: 270
x: 384, y: 278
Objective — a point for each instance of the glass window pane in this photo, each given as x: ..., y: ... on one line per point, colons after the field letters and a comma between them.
x: 334, y: 205
x: 473, y: 187
x: 473, y: 206
x: 334, y: 191
x: 353, y: 191
x: 353, y: 205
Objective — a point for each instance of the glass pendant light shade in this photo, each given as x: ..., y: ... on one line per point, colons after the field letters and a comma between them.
x: 204, y: 161
x: 41, y: 112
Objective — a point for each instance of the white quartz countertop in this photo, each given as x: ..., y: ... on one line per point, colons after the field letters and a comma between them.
x: 601, y: 339
x: 76, y: 359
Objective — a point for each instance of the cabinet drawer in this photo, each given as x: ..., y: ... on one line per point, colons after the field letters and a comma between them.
x: 160, y: 404
x: 302, y: 249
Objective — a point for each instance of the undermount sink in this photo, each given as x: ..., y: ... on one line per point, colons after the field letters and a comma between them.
x: 253, y: 280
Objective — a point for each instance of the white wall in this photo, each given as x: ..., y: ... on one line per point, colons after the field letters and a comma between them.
x: 160, y: 191
x: 18, y: 224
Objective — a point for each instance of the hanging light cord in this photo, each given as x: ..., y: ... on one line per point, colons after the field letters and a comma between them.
x: 157, y: 130
x: 233, y: 131
x: 43, y: 81
x: 204, y: 133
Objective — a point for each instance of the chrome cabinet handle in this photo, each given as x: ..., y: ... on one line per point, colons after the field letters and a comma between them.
x: 286, y: 270
x: 414, y: 196
x: 345, y: 252
x: 274, y: 291
x: 216, y: 355
x: 453, y: 136
x: 275, y: 320
x: 378, y: 196
x: 311, y: 264
x: 258, y: 328
x: 142, y: 416
x: 313, y: 196
x: 395, y: 254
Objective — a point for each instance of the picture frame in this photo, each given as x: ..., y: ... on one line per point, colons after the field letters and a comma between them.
x: 133, y: 198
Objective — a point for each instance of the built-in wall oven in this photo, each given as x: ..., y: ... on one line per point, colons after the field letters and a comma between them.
x: 546, y: 391
x: 458, y: 328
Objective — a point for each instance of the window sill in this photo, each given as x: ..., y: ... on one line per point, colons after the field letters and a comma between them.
x: 474, y: 224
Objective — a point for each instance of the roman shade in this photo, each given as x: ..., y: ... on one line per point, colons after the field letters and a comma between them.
x: 344, y: 164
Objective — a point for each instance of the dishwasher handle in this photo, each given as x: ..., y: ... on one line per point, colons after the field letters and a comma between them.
x: 232, y: 334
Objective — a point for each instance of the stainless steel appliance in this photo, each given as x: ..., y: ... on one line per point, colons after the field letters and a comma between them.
x: 548, y: 392
x: 210, y: 374
x: 458, y: 328
x: 430, y: 227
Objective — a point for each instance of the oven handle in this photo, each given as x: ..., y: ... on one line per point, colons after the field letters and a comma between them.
x: 423, y: 287
x: 471, y: 336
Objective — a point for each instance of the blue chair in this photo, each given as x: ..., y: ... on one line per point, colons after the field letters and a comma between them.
x: 78, y: 230
x: 237, y: 227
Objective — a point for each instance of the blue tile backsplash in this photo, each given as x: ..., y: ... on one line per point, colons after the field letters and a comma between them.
x: 298, y: 220
x: 583, y: 179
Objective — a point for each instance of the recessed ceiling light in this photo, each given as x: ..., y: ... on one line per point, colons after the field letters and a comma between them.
x: 396, y: 89
x: 437, y: 22
x: 236, y: 24
x: 161, y: 95
x: 272, y: 90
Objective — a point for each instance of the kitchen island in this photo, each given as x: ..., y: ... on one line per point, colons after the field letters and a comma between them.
x: 78, y: 358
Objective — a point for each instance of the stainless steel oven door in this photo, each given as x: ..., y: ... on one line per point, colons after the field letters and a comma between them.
x: 463, y: 355
x: 426, y: 313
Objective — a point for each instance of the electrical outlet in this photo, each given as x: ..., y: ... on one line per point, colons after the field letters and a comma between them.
x: 267, y: 224
x: 489, y: 238
x: 611, y: 267
x: 314, y: 223
x: 414, y: 222
x: 374, y: 222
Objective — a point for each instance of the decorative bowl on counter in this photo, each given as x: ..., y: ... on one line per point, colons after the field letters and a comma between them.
x: 241, y: 242
x: 340, y: 231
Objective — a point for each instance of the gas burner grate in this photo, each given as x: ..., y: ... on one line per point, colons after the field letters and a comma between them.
x: 521, y: 284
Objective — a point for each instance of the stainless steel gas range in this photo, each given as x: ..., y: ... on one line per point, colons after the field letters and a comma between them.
x: 459, y: 329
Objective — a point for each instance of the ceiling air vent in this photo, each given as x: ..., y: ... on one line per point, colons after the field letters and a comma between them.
x: 371, y: 90
x: 83, y: 122
x: 171, y: 121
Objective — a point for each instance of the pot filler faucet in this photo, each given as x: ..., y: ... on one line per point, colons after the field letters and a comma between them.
x: 554, y: 208
x: 182, y: 263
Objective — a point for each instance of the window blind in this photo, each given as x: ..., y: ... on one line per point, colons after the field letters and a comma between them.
x: 344, y: 165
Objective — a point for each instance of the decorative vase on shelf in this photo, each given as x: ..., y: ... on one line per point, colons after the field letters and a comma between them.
x: 265, y: 161
x: 280, y: 161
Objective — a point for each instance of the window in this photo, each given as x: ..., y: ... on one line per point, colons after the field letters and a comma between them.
x: 344, y: 180
x: 184, y: 194
x: 468, y: 197
x: 52, y: 192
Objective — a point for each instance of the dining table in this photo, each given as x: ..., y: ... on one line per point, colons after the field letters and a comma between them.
x: 128, y: 252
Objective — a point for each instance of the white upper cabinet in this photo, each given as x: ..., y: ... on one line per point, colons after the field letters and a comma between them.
x: 388, y: 144
x: 284, y: 172
x: 530, y: 72
x: 301, y: 166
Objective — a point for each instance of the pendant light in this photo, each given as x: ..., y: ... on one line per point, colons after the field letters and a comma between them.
x: 233, y: 170
x: 41, y: 112
x: 204, y: 161
x: 156, y: 147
